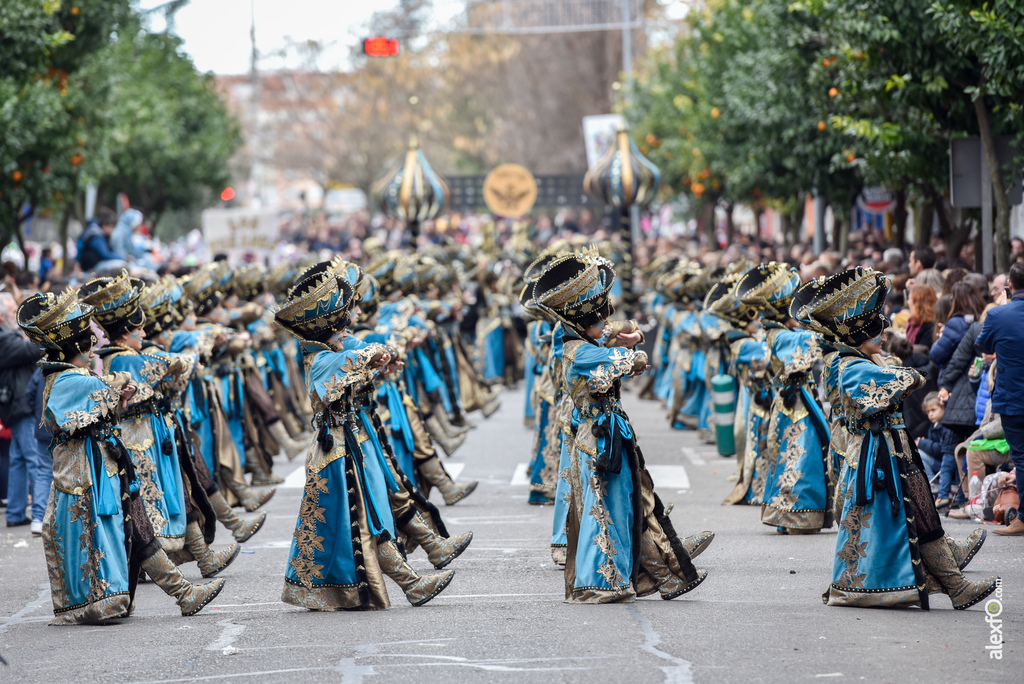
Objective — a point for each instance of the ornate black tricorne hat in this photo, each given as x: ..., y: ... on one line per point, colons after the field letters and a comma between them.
x: 722, y: 300
x: 250, y: 281
x: 158, y: 302
x: 768, y: 288
x: 203, y: 290
x: 59, y: 324
x: 116, y: 303
x: 575, y: 288
x: 845, y: 307
x: 318, y: 305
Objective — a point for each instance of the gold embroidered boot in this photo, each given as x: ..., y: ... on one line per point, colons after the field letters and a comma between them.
x: 440, y: 550
x: 417, y: 589
x: 696, y: 543
x: 670, y: 585
x: 449, y: 444
x: 241, y: 530
x: 210, y: 562
x: 964, y: 551
x: 250, y: 498
x: 436, y: 475
x: 939, y: 560
x: 446, y: 423
x: 260, y: 476
x: 191, y: 598
x: 292, y: 447
x: 491, y: 406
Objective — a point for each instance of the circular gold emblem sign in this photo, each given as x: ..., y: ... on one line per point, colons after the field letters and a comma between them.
x: 510, y: 190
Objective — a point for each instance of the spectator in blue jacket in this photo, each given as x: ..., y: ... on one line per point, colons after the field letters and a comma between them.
x: 94, y: 250
x: 967, y: 307
x: 1003, y: 335
x: 121, y: 240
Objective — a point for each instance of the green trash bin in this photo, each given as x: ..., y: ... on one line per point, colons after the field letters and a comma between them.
x: 723, y: 395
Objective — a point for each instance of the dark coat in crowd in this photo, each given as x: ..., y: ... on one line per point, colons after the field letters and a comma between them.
x: 18, y: 356
x: 939, y: 442
x: 963, y: 393
x: 952, y: 333
x: 914, y: 416
x: 34, y: 396
x: 1003, y: 335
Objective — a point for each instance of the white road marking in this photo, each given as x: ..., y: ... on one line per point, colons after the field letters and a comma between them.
x: 693, y: 457
x: 227, y: 637
x: 669, y: 476
x: 519, y: 477
x: 297, y: 478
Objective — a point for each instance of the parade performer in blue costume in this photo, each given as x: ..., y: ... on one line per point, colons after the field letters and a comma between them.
x: 745, y: 358
x: 891, y: 549
x: 417, y: 519
x: 169, y: 488
x: 162, y: 316
x: 620, y: 543
x: 797, y: 488
x: 209, y: 423
x: 344, y: 538
x: 96, y: 533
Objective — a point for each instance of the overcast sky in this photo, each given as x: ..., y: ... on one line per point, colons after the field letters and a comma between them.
x: 216, y: 32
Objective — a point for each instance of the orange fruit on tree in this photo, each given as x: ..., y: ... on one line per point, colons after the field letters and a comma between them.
x: 705, y: 174
x: 75, y: 11
x: 651, y: 139
x: 821, y: 126
x: 16, y: 176
x: 698, y: 189
x: 851, y: 158
x: 832, y: 92
x: 715, y: 112
x: 76, y: 160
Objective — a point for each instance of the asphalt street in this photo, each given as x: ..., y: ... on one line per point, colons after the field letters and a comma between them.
x: 757, y: 618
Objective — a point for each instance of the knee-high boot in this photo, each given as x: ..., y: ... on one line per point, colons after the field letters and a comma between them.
x: 418, y: 590
x: 292, y: 447
x: 964, y: 551
x: 250, y: 498
x: 440, y: 550
x: 191, y: 598
x: 241, y: 530
x: 435, y: 474
x: 210, y: 562
x: 450, y: 444
x: 939, y: 560
x: 669, y: 585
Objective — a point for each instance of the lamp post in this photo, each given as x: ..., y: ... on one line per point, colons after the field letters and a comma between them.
x: 622, y: 179
x: 411, y: 191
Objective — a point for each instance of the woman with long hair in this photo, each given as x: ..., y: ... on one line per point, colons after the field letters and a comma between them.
x: 921, y: 322
x: 966, y: 306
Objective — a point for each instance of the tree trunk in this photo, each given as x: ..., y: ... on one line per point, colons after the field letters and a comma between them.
x: 730, y: 223
x: 62, y: 235
x: 841, y: 230
x: 923, y: 219
x: 952, y: 234
x: 709, y: 226
x: 899, y: 228
x: 1002, y: 223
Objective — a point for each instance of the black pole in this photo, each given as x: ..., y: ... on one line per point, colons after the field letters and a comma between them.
x: 414, y: 231
x: 628, y: 295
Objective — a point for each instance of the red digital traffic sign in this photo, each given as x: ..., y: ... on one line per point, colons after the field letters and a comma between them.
x: 380, y: 46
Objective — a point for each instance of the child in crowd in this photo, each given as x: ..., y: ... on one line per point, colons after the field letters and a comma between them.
x: 938, y: 449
